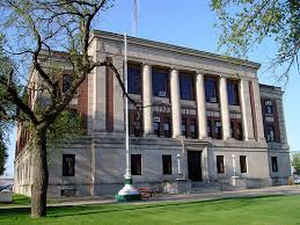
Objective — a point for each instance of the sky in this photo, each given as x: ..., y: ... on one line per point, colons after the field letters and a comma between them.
x: 192, y: 24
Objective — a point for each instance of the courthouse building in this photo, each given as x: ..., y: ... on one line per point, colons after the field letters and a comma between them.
x: 205, y: 122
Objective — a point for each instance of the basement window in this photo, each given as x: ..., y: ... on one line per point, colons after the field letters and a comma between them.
x: 274, y: 164
x: 167, y: 164
x: 68, y: 165
x: 136, y: 164
x: 220, y: 164
x: 243, y: 164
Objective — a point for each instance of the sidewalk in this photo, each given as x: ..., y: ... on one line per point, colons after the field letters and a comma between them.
x: 279, y: 190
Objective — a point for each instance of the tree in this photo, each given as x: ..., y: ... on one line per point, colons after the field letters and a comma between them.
x: 3, y: 154
x: 296, y: 162
x: 39, y: 28
x: 245, y: 23
x: 5, y: 126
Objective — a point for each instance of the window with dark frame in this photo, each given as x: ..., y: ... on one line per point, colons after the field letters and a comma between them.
x: 186, y: 87
x: 136, y: 164
x: 134, y: 79
x: 160, y: 83
x: 67, y: 79
x: 68, y: 165
x: 167, y: 164
x: 243, y: 163
x: 211, y: 90
x: 220, y: 164
x: 274, y: 164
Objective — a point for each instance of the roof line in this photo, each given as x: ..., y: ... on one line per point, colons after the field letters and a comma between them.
x: 175, y: 48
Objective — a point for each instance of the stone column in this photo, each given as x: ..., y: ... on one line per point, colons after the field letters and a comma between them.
x: 201, y: 106
x: 224, y: 109
x: 147, y: 99
x: 258, y: 111
x: 175, y: 102
x: 245, y: 104
x: 97, y: 92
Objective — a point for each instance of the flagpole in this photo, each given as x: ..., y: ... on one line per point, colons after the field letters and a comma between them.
x: 128, y: 192
x: 128, y: 163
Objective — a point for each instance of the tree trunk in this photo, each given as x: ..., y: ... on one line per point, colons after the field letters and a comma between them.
x: 40, y: 174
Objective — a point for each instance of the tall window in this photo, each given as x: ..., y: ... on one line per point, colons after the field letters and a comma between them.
x: 135, y: 123
x: 220, y: 164
x: 134, y: 79
x: 214, y: 128
x: 211, y: 92
x: 268, y: 107
x: 183, y: 127
x: 66, y: 82
x: 233, y: 92
x: 243, y: 164
x: 167, y: 164
x: 271, y: 123
x: 236, y: 129
x: 270, y: 132
x: 189, y: 127
x: 186, y: 87
x: 274, y: 164
x: 68, y: 165
x: 160, y: 83
x: 136, y: 164
x: 162, y: 125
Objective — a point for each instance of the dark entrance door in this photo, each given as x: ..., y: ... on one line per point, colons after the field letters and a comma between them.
x: 194, y: 165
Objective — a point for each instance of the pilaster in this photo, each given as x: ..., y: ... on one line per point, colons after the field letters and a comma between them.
x: 247, y: 116
x: 258, y: 111
x: 118, y: 97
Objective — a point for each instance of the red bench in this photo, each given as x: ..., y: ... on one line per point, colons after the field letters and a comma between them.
x: 145, y: 192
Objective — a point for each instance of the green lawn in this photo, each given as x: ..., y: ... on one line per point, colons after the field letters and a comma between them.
x: 18, y: 200
x: 272, y: 210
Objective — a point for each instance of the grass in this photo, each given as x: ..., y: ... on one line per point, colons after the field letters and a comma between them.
x: 270, y: 210
x: 17, y: 201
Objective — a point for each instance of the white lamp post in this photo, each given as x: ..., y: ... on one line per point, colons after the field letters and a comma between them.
x: 234, y: 170
x: 178, y: 164
x: 128, y: 192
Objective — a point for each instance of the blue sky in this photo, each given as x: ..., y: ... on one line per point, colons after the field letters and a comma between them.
x: 191, y: 24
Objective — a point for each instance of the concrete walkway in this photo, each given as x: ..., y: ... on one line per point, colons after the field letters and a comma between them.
x: 159, y: 198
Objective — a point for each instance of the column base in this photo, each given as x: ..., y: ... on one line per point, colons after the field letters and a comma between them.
x: 128, y: 192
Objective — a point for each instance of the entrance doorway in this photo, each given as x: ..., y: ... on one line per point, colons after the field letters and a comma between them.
x: 194, y: 165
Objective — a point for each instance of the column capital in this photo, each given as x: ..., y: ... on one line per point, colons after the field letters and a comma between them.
x: 145, y: 63
x: 199, y: 76
x: 174, y: 68
x: 173, y: 71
